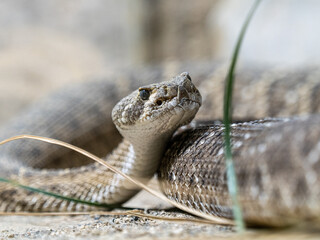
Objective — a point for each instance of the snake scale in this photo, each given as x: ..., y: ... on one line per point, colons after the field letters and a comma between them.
x: 277, y: 159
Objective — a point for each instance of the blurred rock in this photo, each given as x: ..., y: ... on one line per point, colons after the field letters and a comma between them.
x: 281, y: 32
x: 46, y: 44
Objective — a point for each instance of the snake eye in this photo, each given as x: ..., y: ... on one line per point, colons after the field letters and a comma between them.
x: 144, y: 94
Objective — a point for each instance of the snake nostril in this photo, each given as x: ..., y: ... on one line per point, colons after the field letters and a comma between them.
x: 159, y: 102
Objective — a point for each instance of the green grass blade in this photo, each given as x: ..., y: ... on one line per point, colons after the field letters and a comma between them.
x: 232, y: 180
x: 96, y: 204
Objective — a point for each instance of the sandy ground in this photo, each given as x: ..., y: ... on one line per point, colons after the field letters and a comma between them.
x: 100, y: 227
x: 128, y: 227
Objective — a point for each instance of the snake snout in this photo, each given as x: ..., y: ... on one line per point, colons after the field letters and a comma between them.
x: 187, y: 91
x: 186, y: 75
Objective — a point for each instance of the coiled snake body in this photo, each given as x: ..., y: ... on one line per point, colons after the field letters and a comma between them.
x: 277, y: 159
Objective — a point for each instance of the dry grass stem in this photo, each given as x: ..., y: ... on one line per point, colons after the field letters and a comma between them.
x: 210, y: 218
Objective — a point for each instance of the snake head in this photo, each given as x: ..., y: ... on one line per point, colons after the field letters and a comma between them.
x: 158, y: 108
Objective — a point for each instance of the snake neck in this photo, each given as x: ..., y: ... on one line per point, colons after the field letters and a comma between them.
x: 140, y: 156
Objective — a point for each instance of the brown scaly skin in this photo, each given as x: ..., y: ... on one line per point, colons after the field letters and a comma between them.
x: 81, y: 117
x: 277, y: 164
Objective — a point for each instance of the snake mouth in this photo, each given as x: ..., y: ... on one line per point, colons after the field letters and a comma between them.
x: 187, y: 101
x: 189, y: 109
x: 193, y: 101
x: 188, y: 105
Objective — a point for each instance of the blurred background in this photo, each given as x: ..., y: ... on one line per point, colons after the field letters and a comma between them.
x: 47, y: 44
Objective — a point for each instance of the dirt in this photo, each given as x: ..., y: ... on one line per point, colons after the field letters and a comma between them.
x: 99, y: 227
x: 125, y: 227
x: 131, y: 226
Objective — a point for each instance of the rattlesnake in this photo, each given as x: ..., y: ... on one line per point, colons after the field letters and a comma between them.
x: 192, y: 171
